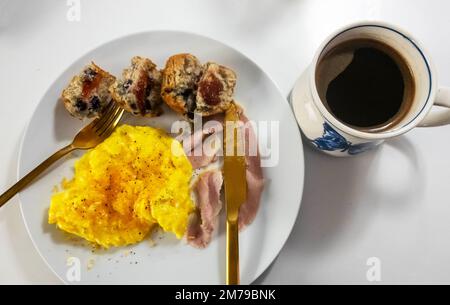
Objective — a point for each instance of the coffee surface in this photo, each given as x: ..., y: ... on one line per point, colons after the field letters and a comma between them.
x: 365, y: 84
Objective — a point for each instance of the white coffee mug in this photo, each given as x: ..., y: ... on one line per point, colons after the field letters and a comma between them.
x: 330, y: 135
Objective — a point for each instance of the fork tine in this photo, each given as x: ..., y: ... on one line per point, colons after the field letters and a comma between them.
x: 110, y: 128
x: 106, y: 114
x: 106, y: 117
x: 108, y: 121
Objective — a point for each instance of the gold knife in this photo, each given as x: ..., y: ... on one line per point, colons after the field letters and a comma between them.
x: 234, y: 173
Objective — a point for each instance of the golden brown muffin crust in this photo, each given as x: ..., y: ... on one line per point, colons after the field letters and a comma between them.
x: 191, y: 88
x: 179, y: 82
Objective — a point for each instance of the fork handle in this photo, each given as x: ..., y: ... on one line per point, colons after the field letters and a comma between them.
x: 232, y: 264
x: 34, y: 173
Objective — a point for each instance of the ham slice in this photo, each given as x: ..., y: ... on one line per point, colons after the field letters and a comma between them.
x: 255, y: 179
x: 201, y: 226
x: 209, y: 184
x: 193, y: 144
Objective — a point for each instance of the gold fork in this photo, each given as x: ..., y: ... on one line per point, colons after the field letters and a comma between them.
x: 89, y: 137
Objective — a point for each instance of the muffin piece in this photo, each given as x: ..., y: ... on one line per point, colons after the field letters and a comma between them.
x: 215, y: 89
x: 190, y: 88
x: 87, y: 94
x: 139, y: 90
x: 179, y: 83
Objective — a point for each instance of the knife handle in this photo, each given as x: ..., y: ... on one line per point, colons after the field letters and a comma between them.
x: 232, y: 253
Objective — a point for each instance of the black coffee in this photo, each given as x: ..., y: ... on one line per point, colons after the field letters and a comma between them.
x: 365, y: 84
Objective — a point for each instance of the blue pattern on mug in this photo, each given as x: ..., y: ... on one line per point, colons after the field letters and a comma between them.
x: 331, y: 140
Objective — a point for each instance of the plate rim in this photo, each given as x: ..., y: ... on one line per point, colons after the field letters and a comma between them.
x: 274, y: 256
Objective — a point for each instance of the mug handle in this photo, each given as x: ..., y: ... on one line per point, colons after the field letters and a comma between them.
x: 439, y: 118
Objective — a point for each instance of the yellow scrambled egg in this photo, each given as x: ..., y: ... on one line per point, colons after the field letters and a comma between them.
x: 136, y: 179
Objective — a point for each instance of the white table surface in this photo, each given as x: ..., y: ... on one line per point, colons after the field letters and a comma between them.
x: 391, y: 203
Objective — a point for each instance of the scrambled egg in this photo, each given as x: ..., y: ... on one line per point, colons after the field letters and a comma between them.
x: 135, y: 180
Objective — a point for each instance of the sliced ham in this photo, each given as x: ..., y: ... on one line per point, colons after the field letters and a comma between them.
x: 201, y: 226
x: 209, y: 184
x: 193, y: 144
x: 255, y: 179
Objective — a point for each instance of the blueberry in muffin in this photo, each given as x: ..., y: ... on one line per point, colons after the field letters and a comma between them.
x: 87, y: 94
x: 139, y: 89
x: 190, y: 88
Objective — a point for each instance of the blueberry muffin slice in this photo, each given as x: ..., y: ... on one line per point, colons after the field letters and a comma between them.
x: 179, y: 83
x: 87, y: 94
x: 139, y: 89
x: 192, y: 89
x: 215, y: 89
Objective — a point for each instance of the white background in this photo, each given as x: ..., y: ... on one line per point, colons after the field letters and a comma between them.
x: 391, y: 203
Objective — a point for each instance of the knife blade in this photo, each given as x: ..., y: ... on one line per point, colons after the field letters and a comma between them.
x: 235, y: 184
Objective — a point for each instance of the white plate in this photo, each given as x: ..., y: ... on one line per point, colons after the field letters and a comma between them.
x: 170, y: 261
